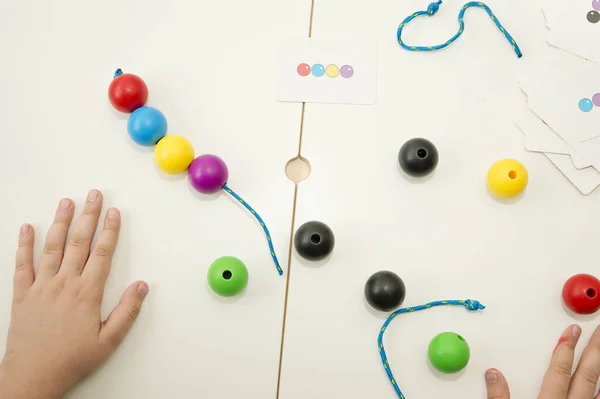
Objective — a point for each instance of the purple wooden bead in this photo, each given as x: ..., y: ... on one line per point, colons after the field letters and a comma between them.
x: 208, y: 173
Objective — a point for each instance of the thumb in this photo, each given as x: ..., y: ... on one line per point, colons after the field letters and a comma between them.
x: 120, y: 320
x: 497, y: 387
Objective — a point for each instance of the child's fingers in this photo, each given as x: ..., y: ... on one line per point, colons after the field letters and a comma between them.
x: 24, y: 274
x: 98, y: 265
x: 54, y: 247
x: 585, y: 379
x: 497, y: 387
x: 121, y: 319
x: 558, y: 376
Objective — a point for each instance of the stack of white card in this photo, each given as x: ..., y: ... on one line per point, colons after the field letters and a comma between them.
x: 563, y: 119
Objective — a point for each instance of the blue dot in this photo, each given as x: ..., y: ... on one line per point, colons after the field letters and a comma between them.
x: 146, y: 126
x: 318, y: 70
x: 586, y: 105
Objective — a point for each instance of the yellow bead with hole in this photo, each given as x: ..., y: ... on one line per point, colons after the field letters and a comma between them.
x: 173, y: 154
x: 507, y: 178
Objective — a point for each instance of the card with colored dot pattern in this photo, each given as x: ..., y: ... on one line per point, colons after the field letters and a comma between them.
x: 575, y: 27
x: 327, y: 71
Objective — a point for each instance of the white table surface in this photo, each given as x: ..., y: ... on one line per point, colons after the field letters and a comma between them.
x: 209, y: 69
x: 206, y: 65
x: 444, y: 235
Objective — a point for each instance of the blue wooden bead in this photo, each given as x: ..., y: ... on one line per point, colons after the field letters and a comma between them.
x: 146, y: 126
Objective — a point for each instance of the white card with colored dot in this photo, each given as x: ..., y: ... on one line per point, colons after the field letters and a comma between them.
x: 327, y: 71
x: 568, y: 100
x: 575, y: 27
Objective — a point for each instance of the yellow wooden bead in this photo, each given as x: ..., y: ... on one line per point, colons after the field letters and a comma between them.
x: 507, y: 178
x: 173, y: 154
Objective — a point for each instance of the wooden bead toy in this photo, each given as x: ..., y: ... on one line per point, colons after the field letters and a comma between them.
x: 507, y: 178
x: 418, y: 157
x: 174, y: 154
x: 448, y: 352
x: 147, y: 126
x: 208, y: 174
x: 314, y: 240
x: 127, y: 92
x: 385, y: 291
x: 228, y: 276
x: 581, y: 294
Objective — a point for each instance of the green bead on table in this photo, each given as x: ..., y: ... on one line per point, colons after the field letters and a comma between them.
x: 228, y: 276
x: 449, y: 352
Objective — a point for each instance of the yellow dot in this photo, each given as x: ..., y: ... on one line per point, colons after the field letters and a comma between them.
x: 332, y: 70
x: 507, y: 178
x: 173, y: 154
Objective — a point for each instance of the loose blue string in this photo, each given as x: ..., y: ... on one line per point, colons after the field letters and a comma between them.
x: 434, y: 7
x: 262, y: 223
x: 468, y: 303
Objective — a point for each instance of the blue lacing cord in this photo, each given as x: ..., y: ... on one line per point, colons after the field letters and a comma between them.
x: 434, y: 7
x: 468, y: 303
x: 262, y: 223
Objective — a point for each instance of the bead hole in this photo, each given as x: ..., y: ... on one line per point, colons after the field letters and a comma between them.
x: 461, y: 338
x: 227, y: 274
x: 512, y: 174
x: 421, y: 153
x: 591, y: 293
x: 315, y: 239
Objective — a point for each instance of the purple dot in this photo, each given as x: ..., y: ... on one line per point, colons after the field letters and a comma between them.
x: 346, y: 71
x: 208, y: 173
x: 596, y: 5
x: 596, y: 99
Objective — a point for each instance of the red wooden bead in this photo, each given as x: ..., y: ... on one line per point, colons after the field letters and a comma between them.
x: 127, y: 92
x: 581, y: 294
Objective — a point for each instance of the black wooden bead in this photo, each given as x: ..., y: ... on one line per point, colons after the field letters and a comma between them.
x: 314, y: 240
x: 385, y: 291
x: 418, y: 157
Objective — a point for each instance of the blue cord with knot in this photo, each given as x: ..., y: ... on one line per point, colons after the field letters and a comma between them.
x: 262, y: 224
x: 468, y: 304
x: 434, y: 7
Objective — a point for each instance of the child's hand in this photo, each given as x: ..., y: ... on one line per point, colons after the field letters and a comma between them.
x: 558, y: 382
x: 56, y: 336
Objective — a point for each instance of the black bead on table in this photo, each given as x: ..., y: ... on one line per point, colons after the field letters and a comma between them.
x: 385, y: 291
x: 314, y: 240
x: 418, y: 157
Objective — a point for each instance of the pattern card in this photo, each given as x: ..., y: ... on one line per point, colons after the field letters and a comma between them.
x: 575, y: 27
x: 568, y: 100
x: 327, y: 71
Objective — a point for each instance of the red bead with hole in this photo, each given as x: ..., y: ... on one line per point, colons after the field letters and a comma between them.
x: 581, y: 294
x: 127, y: 92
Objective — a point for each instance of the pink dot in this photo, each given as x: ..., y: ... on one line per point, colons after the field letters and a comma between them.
x: 596, y: 99
x: 303, y: 69
x: 596, y: 5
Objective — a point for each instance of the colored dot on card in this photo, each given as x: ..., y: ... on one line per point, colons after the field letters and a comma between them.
x: 346, y: 71
x: 332, y: 70
x: 318, y: 70
x: 586, y: 105
x: 303, y: 69
x: 596, y: 5
x: 593, y: 17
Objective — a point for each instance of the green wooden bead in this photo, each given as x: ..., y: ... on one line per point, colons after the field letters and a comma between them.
x: 228, y: 276
x: 449, y: 352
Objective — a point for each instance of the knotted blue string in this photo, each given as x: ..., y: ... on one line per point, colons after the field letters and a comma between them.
x: 434, y: 7
x: 468, y: 304
x: 262, y: 223
x: 118, y: 73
